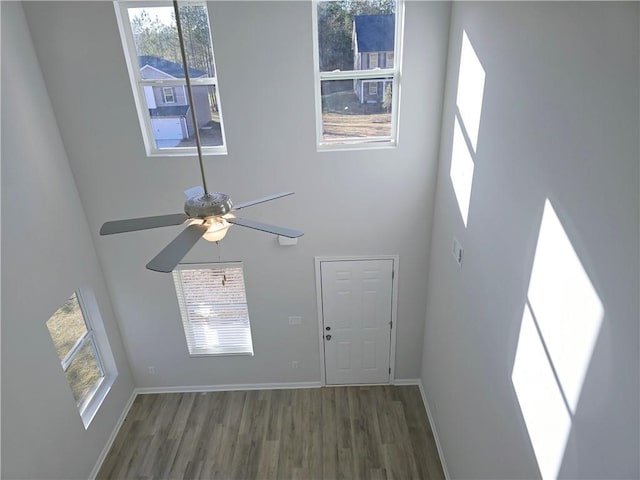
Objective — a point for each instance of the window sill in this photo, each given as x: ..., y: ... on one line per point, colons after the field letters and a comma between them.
x: 222, y: 354
x: 92, y: 405
x: 364, y: 145
x: 186, y: 152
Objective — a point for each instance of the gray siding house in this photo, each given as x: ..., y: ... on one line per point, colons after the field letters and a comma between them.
x: 169, y: 105
x: 373, y: 47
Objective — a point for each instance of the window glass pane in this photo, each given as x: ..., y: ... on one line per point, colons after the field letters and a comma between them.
x: 349, y: 31
x: 66, y: 326
x: 84, y: 373
x: 172, y: 125
x: 156, y: 41
x: 208, y: 116
x: 356, y: 108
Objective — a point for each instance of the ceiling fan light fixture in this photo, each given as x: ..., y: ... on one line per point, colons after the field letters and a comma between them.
x: 217, y: 229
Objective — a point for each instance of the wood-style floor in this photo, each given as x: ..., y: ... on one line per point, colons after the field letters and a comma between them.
x: 372, y: 432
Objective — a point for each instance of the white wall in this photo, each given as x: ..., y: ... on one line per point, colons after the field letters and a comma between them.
x: 351, y: 203
x: 560, y: 122
x: 47, y: 253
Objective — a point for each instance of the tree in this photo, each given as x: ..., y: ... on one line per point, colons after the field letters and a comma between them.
x: 154, y: 37
x: 388, y: 97
x: 195, y: 26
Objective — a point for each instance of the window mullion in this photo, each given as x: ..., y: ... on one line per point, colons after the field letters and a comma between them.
x: 76, y: 348
x: 96, y: 353
x: 358, y: 74
x: 177, y: 82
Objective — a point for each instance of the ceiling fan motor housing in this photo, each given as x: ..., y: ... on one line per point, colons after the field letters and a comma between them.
x: 208, y: 205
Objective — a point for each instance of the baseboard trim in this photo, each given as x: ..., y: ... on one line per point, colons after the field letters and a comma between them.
x: 229, y: 388
x: 406, y: 381
x: 112, y: 437
x: 433, y: 429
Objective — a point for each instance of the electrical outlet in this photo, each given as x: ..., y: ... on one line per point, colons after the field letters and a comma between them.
x: 294, y: 364
x: 295, y: 320
x: 152, y: 370
x: 457, y: 251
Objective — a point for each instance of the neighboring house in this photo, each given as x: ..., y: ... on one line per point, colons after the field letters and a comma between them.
x: 373, y: 47
x: 168, y: 105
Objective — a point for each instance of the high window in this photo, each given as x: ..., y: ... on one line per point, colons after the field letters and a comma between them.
x: 352, y: 39
x: 150, y: 40
x: 74, y: 339
x: 213, y: 306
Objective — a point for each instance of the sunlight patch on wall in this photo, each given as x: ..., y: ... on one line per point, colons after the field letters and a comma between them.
x: 471, y: 77
x: 560, y: 325
x: 544, y: 411
x: 461, y: 172
x: 470, y: 90
x: 565, y: 304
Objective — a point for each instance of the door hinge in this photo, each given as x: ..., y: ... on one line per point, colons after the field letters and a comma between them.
x: 390, y: 324
x: 393, y: 274
x: 389, y: 370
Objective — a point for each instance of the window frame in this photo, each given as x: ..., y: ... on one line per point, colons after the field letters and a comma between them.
x: 381, y: 74
x: 372, y: 88
x: 185, y: 321
x: 138, y: 84
x: 95, y: 335
x: 87, y: 337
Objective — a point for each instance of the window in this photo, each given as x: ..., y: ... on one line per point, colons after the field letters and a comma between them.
x: 213, y: 306
x: 76, y: 344
x: 168, y: 95
x: 389, y: 59
x: 150, y: 40
x: 349, y: 36
x: 373, y: 60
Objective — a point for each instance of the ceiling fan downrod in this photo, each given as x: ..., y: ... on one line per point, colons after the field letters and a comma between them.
x: 190, y: 93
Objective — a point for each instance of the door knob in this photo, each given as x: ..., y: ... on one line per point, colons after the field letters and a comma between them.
x: 327, y: 328
x: 328, y: 337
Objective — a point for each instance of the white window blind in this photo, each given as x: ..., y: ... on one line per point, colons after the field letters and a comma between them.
x: 213, y: 305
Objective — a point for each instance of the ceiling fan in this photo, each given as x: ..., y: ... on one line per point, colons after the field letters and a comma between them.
x: 209, y: 214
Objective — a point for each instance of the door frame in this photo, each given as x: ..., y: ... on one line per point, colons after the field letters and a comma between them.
x: 394, y: 306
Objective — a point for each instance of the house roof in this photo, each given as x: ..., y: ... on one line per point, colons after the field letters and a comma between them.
x: 375, y: 33
x: 170, y: 68
x: 170, y: 111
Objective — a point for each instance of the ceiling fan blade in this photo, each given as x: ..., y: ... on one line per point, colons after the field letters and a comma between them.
x: 262, y: 200
x: 265, y: 227
x: 171, y: 255
x: 196, y: 191
x: 143, y: 223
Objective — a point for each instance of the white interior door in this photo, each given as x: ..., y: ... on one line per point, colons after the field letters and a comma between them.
x: 356, y: 315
